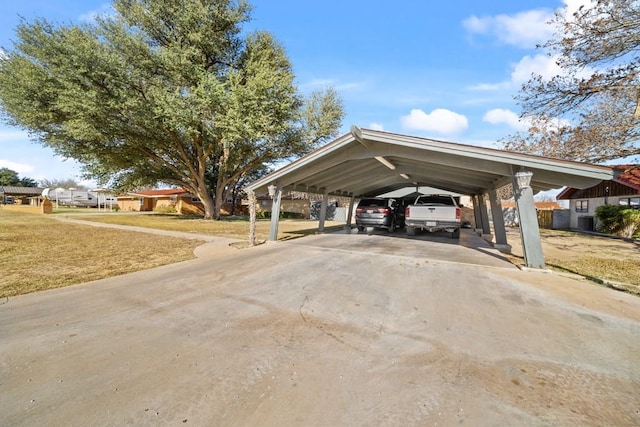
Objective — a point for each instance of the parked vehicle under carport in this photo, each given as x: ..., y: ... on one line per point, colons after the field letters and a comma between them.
x: 379, y: 213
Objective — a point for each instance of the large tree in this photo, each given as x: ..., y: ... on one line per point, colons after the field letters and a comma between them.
x: 62, y: 183
x: 591, y: 111
x: 9, y: 177
x: 163, y: 91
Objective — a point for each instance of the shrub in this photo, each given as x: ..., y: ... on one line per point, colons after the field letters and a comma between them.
x: 165, y: 209
x: 618, y: 220
x: 283, y: 215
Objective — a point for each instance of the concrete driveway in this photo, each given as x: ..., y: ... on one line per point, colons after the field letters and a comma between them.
x: 325, y: 330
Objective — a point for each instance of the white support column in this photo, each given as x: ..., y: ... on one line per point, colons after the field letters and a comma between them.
x: 498, y: 221
x: 484, y: 214
x: 323, y: 211
x: 476, y: 214
x: 350, y: 214
x: 275, y: 214
x: 529, y: 230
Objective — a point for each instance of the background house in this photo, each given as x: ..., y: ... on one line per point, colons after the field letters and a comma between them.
x: 622, y: 190
x: 167, y: 200
x: 10, y: 195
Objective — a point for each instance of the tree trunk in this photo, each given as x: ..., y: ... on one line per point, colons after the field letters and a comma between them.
x: 209, y: 205
x: 221, y: 195
x: 252, y: 218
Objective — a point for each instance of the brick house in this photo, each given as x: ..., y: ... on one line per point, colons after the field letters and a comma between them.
x: 166, y: 199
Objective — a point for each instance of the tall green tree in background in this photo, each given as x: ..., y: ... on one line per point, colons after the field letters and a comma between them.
x: 164, y: 91
x: 62, y: 183
x: 10, y: 177
x: 591, y: 111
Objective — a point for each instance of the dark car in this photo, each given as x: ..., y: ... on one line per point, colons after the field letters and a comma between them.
x: 379, y: 213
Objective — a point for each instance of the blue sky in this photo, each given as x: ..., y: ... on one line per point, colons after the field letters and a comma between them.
x: 444, y: 70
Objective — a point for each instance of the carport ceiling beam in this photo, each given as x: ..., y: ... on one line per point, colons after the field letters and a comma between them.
x: 442, y: 159
x: 453, y: 176
x: 393, y: 141
x: 345, y: 172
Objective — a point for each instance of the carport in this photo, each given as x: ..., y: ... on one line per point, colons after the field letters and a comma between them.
x: 366, y: 163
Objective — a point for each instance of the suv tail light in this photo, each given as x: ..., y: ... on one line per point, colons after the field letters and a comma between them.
x: 458, y: 213
x: 384, y: 210
x: 407, y: 212
x: 359, y: 210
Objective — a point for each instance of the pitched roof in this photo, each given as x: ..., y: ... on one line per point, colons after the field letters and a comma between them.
x: 160, y: 193
x: 21, y: 191
x: 629, y: 175
x: 366, y: 163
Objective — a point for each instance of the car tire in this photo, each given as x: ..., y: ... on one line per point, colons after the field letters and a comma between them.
x: 455, y: 234
x: 411, y: 231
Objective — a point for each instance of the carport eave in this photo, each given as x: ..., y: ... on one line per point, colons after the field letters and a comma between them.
x: 587, y: 170
x: 463, y: 164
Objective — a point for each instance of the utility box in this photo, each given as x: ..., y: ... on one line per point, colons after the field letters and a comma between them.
x: 46, y: 206
x: 586, y: 223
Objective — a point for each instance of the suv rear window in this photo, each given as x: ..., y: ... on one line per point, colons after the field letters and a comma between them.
x: 372, y: 203
x: 435, y: 200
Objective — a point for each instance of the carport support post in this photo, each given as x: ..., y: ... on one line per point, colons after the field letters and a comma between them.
x: 498, y: 221
x: 476, y: 213
x: 252, y: 217
x: 323, y: 211
x: 350, y: 213
x: 275, y: 214
x: 484, y: 214
x: 529, y: 230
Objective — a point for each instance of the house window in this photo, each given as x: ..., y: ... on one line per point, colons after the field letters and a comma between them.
x: 173, y: 199
x: 631, y: 202
x: 582, y: 206
x: 140, y: 201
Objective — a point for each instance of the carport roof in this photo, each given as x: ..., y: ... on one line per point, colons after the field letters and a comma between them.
x: 20, y: 191
x: 367, y: 163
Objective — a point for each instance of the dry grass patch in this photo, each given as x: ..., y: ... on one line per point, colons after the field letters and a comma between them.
x: 588, y: 255
x: 231, y: 227
x: 41, y: 253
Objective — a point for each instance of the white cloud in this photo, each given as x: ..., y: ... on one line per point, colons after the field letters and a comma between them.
x: 542, y: 65
x: 440, y: 120
x: 522, y: 71
x: 376, y: 126
x: 524, y: 29
x: 499, y: 116
x: 21, y: 168
x: 572, y: 6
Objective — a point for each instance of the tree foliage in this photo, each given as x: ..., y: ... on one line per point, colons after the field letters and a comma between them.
x: 10, y: 177
x: 590, y: 112
x: 62, y: 183
x: 164, y: 92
